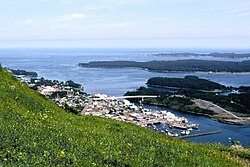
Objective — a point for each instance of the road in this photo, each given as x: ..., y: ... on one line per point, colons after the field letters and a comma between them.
x: 87, y: 106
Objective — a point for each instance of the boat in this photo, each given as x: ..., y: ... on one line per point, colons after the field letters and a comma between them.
x: 185, y: 132
x: 172, y: 134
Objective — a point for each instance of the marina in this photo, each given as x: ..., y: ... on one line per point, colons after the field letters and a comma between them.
x: 123, y: 110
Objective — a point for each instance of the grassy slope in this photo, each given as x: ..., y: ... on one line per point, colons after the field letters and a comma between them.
x: 35, y: 132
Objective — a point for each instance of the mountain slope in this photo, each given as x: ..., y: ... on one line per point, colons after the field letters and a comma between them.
x: 35, y: 132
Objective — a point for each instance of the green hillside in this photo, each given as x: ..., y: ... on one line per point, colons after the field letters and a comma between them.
x: 35, y: 132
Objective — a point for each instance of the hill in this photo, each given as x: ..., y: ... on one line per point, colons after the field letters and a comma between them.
x: 36, y: 132
x: 179, y: 65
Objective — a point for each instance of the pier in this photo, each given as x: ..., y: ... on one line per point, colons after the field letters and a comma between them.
x: 200, y: 134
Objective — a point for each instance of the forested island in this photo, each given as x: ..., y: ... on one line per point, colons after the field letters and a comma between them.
x: 187, y: 83
x: 215, y: 54
x: 175, y: 66
x: 191, y: 95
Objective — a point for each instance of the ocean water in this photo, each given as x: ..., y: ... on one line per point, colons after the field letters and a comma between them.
x: 61, y: 64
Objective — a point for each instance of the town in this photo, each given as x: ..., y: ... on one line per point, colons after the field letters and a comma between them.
x: 70, y: 96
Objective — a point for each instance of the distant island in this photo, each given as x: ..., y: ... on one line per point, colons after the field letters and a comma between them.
x: 215, y: 54
x: 175, y: 66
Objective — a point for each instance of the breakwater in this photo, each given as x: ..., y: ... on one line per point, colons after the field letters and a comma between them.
x: 200, y: 134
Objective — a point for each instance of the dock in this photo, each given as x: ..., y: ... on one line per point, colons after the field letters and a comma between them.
x: 200, y: 134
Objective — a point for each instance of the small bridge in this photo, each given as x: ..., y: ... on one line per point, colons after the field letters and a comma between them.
x: 125, y: 97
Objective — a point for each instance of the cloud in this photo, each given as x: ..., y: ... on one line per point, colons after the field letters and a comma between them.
x: 96, y: 8
x: 24, y: 22
x: 105, y: 5
x: 29, y: 21
x: 112, y: 25
x: 62, y: 22
x: 212, y: 9
x: 121, y: 2
x: 75, y: 16
x: 239, y: 10
x: 59, y: 26
x: 65, y: 2
x: 69, y: 17
x: 242, y: 14
x: 116, y: 25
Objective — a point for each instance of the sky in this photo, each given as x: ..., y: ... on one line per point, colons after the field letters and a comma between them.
x: 125, y: 23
